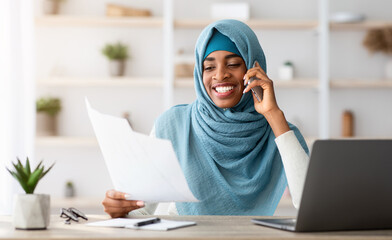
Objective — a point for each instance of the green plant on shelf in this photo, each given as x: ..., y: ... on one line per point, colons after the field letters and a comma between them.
x: 28, y: 179
x: 117, y: 51
x: 49, y: 105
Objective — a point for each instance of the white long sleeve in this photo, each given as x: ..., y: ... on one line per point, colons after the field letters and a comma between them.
x: 295, y: 162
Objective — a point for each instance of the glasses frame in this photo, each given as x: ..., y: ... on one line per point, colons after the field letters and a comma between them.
x: 72, y: 214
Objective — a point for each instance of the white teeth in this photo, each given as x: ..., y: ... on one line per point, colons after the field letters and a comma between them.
x: 223, y: 89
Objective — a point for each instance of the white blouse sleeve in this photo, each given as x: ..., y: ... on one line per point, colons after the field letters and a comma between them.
x: 295, y: 162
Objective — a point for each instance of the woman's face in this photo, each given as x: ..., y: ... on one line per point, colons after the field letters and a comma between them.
x: 223, y: 74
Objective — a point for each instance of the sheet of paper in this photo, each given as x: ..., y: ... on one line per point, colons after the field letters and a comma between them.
x: 117, y: 222
x: 144, y: 167
x: 164, y: 225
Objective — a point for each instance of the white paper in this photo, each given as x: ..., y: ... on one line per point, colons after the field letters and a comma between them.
x: 144, y: 167
x: 163, y: 225
x: 117, y: 222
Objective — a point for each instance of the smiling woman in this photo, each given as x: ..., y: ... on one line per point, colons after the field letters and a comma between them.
x: 231, y: 147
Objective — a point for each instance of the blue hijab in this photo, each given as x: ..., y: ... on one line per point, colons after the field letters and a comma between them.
x: 229, y: 156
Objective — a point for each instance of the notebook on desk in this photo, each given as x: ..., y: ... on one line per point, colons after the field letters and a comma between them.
x: 348, y: 187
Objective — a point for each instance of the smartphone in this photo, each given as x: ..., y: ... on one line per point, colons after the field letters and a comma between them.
x: 257, y: 91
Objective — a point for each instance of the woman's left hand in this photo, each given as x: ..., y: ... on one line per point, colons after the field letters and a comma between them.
x: 267, y: 106
x: 268, y: 102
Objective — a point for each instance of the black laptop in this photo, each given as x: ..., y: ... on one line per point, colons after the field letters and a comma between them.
x: 348, y: 187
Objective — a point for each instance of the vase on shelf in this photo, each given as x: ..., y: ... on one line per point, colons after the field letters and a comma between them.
x: 51, y: 7
x: 69, y: 190
x: 117, y: 68
x: 46, y: 124
x: 286, y: 71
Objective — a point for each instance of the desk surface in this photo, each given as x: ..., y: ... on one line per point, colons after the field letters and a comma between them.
x: 208, y: 227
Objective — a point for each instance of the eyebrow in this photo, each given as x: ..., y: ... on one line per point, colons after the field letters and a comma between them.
x: 226, y: 57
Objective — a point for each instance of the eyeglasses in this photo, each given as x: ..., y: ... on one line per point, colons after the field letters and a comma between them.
x: 72, y: 214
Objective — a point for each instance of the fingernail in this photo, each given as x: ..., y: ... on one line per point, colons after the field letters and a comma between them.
x: 244, y: 91
x: 140, y: 203
x: 127, y: 196
x: 111, y: 194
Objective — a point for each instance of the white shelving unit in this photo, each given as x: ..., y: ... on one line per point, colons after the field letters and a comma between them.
x: 322, y: 83
x: 76, y: 150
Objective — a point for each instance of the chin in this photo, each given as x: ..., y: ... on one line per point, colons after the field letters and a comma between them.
x: 225, y: 105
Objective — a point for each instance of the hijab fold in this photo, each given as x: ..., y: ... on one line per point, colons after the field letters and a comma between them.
x: 228, y: 156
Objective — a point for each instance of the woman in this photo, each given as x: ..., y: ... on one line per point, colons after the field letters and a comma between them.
x: 230, y: 146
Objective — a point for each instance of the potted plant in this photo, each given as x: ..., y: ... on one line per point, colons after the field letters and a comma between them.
x: 31, y: 211
x: 69, y: 189
x: 380, y: 40
x: 117, y: 55
x: 286, y: 71
x: 47, y: 110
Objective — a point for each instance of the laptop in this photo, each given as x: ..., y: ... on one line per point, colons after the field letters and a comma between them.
x: 348, y: 186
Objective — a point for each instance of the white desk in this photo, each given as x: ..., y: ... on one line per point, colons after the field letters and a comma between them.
x: 208, y: 227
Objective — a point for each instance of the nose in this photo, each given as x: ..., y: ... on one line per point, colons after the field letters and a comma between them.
x: 221, y: 73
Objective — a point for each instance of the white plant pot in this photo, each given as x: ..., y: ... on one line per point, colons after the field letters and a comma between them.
x: 31, y: 211
x: 51, y: 6
x: 117, y: 68
x: 46, y: 124
x: 286, y: 73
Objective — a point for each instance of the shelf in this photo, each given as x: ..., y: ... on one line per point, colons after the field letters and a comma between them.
x: 295, y: 83
x: 253, y: 23
x: 356, y: 83
x: 62, y: 141
x: 365, y: 25
x: 98, y: 21
x: 101, y: 82
x: 157, y: 22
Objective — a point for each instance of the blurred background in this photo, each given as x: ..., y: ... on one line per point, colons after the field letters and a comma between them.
x: 330, y: 61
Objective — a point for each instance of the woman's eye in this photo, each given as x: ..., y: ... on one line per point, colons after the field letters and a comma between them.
x: 208, y: 68
x: 234, y: 64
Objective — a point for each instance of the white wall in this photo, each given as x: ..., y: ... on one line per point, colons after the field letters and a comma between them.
x: 67, y: 51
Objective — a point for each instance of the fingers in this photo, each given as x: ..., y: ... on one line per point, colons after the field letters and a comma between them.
x: 117, y: 212
x: 264, y: 83
x: 116, y: 205
x: 257, y: 72
x: 116, y: 194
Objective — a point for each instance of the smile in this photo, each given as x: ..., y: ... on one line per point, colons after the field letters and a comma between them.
x: 224, y: 89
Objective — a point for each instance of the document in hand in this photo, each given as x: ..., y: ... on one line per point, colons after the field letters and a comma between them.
x: 163, y: 225
x: 144, y: 167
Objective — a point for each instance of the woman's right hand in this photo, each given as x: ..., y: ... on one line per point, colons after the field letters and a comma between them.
x: 116, y: 205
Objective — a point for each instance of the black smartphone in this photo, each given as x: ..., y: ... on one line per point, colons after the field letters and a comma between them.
x: 257, y: 91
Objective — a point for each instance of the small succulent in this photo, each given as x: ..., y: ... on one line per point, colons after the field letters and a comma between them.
x: 116, y: 51
x: 49, y: 105
x: 28, y: 179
